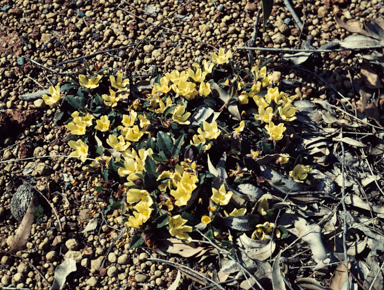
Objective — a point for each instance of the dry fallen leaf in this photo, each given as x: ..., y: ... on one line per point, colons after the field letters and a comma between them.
x: 175, y: 283
x: 175, y: 246
x: 24, y: 229
x: 277, y: 277
x: 370, y: 77
x: 353, y: 26
x: 339, y: 277
x: 61, y: 273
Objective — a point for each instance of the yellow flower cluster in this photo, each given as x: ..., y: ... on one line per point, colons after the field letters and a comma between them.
x: 178, y: 229
x: 79, y: 124
x: 143, y: 207
x: 300, y: 173
x: 264, y: 231
x: 182, y: 182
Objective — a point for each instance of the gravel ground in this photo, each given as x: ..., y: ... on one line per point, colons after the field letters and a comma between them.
x: 54, y: 33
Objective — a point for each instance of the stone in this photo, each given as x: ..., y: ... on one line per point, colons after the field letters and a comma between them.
x: 42, y: 169
x: 122, y: 276
x: 149, y: 48
x: 156, y: 53
x: 276, y: 76
x: 23, y: 268
x: 8, y: 154
x: 18, y: 277
x: 51, y: 256
x: 95, y: 264
x: 278, y: 38
x: 84, y: 262
x: 204, y: 28
x: 39, y: 104
x: 123, y: 259
x: 92, y: 282
x: 141, y: 278
x: 322, y: 12
x: 6, y: 260
x: 112, y: 257
x: 250, y: 6
x: 21, y: 200
x: 159, y: 281
x: 158, y: 273
x: 75, y: 255
x: 6, y: 280
x: 112, y: 271
x: 72, y: 244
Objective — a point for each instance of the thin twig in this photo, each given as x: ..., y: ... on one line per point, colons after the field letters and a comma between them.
x: 305, y: 50
x: 374, y: 179
x: 230, y: 257
x: 10, y: 146
x: 294, y: 15
x: 186, y: 269
x: 40, y: 157
x: 35, y: 81
x: 30, y: 264
x: 345, y: 214
x: 377, y: 275
x: 47, y: 68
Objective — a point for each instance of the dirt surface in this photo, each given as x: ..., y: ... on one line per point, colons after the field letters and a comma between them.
x: 56, y: 33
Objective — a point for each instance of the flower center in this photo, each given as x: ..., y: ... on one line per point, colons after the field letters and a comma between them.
x: 91, y: 82
x: 82, y: 149
x: 221, y: 197
x: 174, y: 222
x: 142, y: 196
x: 180, y: 232
x: 118, y: 84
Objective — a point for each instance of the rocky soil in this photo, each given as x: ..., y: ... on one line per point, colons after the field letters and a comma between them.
x: 56, y: 34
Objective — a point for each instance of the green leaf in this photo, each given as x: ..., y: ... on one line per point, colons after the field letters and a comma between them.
x: 105, y: 173
x: 116, y: 205
x: 150, y: 144
x: 150, y: 174
x: 136, y: 241
x: 163, y: 157
x: 165, y: 143
x: 120, y: 164
x: 74, y: 102
x: 161, y: 220
x: 267, y: 9
x: 168, y: 110
x: 58, y: 117
x: 67, y: 87
x: 284, y: 232
x: 99, y: 188
x: 164, y: 180
x: 98, y: 100
x: 86, y: 65
x: 177, y: 146
x: 111, y: 165
x: 266, y: 147
x: 99, y: 150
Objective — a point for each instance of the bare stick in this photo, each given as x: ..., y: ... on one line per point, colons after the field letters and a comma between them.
x: 47, y: 68
x: 306, y: 50
x: 345, y: 214
x: 35, y: 81
x: 377, y: 275
x: 294, y: 15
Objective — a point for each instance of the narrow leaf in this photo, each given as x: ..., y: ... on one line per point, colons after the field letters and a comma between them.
x: 267, y: 10
x: 175, y: 283
x: 165, y: 143
x: 74, y: 102
x: 177, y: 146
x: 61, y: 273
x: 277, y: 278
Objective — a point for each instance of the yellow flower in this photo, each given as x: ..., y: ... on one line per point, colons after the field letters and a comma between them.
x: 222, y: 57
x: 163, y: 106
x: 55, y: 96
x: 263, y: 206
x: 254, y: 154
x: 90, y: 83
x: 276, y: 132
x: 240, y: 128
x: 263, y: 231
x: 135, y: 221
x: 236, y: 212
x: 287, y: 113
x: 143, y: 121
x: 81, y: 149
x: 221, y: 197
x: 243, y: 98
x: 179, y: 117
x: 132, y: 134
x: 118, y: 83
x: 129, y: 120
x: 264, y: 115
x: 182, y: 195
x: 130, y: 168
x: 118, y: 143
x: 96, y: 162
x: 300, y: 173
x: 210, y: 130
x: 77, y: 127
x: 111, y: 101
x: 267, y: 81
x: 205, y: 89
x: 135, y: 195
x: 255, y: 89
x: 181, y: 232
x: 176, y: 221
x: 260, y: 101
x: 208, y: 66
x: 175, y: 76
x: 283, y: 159
x: 87, y: 119
x: 143, y: 208
x: 197, y: 139
x: 102, y: 124
x: 185, y: 89
x: 163, y: 87
x: 205, y: 219
x: 197, y: 76
x: 259, y: 73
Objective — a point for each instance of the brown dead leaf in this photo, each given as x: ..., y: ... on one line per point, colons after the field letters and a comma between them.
x: 175, y: 246
x: 370, y: 77
x: 379, y: 21
x: 339, y: 277
x: 353, y: 26
x: 24, y: 229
